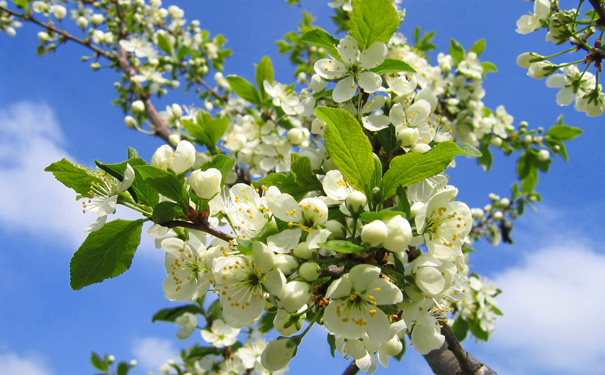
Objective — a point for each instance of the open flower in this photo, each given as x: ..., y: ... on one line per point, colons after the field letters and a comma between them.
x: 220, y: 334
x: 188, y: 277
x: 353, y: 68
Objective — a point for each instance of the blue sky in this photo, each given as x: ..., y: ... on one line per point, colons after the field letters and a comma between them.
x: 55, y: 107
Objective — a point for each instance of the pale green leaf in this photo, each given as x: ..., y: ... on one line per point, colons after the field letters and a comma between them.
x: 74, y: 176
x: 390, y: 66
x: 373, y: 21
x: 244, y: 89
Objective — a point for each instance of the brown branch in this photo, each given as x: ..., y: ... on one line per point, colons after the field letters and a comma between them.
x: 352, y: 369
x: 202, y: 226
x: 598, y: 7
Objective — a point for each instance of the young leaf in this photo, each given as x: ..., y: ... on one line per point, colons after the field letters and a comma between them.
x: 164, y: 44
x: 221, y: 162
x: 264, y: 72
x: 74, y: 176
x: 486, y: 159
x: 321, y: 38
x: 244, y: 89
x: 170, y: 314
x: 488, y: 67
x: 216, y: 128
x: 413, y: 167
x: 348, y: 147
x: 105, y: 253
x: 341, y: 246
x: 164, y: 183
x: 132, y: 153
x: 303, y: 173
x: 285, y: 183
x: 460, y: 328
x: 122, y: 369
x: 97, y: 362
x: 368, y: 217
x: 373, y: 21
x: 564, y: 132
x: 478, y: 47
x: 390, y: 66
x: 456, y: 51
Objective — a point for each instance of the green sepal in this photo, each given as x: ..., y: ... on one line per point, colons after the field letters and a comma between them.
x: 348, y: 147
x: 414, y: 167
x: 368, y: 217
x: 390, y: 66
x: 244, y: 89
x: 373, y: 21
x: 166, y: 211
x: 343, y: 247
x: 171, y: 314
x: 74, y: 176
x: 165, y: 183
x: 105, y: 253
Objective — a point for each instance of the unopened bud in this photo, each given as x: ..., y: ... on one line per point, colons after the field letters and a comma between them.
x: 355, y: 202
x: 309, y: 271
x: 286, y: 263
x: 295, y: 294
x: 59, y: 11
x: 206, y: 184
x: 302, y: 251
x: 130, y: 122
x: 133, y: 363
x: 374, y: 233
x: 177, y: 111
x: 137, y: 107
x: 82, y: 22
x: 527, y: 58
x: 543, y: 155
x: 279, y: 353
x: 96, y: 19
x: 496, y: 141
x: 408, y: 136
x: 95, y: 66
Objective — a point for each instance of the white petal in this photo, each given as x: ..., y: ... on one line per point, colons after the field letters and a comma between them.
x: 347, y: 48
x: 344, y: 90
x: 373, y: 56
x: 330, y: 68
x: 363, y: 275
x: 426, y: 338
x: 565, y: 96
x: 375, y: 122
x: 369, y: 81
x: 284, y: 241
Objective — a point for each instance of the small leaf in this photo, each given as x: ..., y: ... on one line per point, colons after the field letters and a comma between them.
x: 170, y: 314
x: 303, y: 173
x: 74, y: 176
x: 373, y: 21
x: 264, y: 72
x: 348, y: 147
x: 368, y: 217
x: 244, y: 89
x: 456, y: 51
x: 341, y: 246
x: 221, y: 162
x: 265, y: 324
x: 165, y: 183
x: 97, y: 362
x: 285, y: 183
x: 470, y: 150
x: 390, y: 66
x: 488, y: 67
x: 105, y: 253
x: 478, y: 47
x: 164, y: 44
x: 332, y: 343
x: 486, y: 159
x: 198, y: 131
x: 166, y: 211
x: 321, y: 38
x: 564, y: 132
x: 460, y: 328
x: 122, y: 369
x: 477, y: 331
x: 132, y: 153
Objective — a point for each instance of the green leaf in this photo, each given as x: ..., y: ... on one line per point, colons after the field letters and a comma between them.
x: 456, y: 51
x: 348, y: 147
x: 332, y: 343
x: 244, y: 89
x: 485, y: 160
x: 564, y: 132
x: 122, y: 369
x: 530, y: 181
x: 216, y: 128
x: 403, y: 203
x: 475, y: 328
x: 132, y: 153
x: 166, y: 211
x: 74, y: 176
x: 460, y: 328
x: 165, y: 183
x: 388, y: 139
x: 23, y: 4
x: 221, y: 162
x: 524, y: 165
x: 105, y: 253
x: 470, y: 150
x: 414, y: 167
x: 488, y: 67
x: 368, y: 217
x: 198, y: 132
x: 377, y: 177
x: 215, y: 310
x: 170, y: 314
x: 478, y: 47
x: 264, y: 72
x: 373, y: 21
x: 285, y: 183
x: 265, y: 324
x: 303, y: 173
x: 97, y: 362
x: 164, y: 44
x: 197, y: 352
x: 321, y: 38
x: 390, y: 66
x: 341, y: 246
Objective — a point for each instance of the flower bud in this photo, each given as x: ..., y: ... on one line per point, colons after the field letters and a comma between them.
x: 130, y: 122
x: 296, y: 136
x: 96, y: 19
x: 294, y: 295
x: 374, y: 233
x: 309, y: 271
x: 111, y: 358
x: 408, y: 136
x: 59, y: 11
x: 541, y: 69
x: 399, y: 235
x: 286, y: 263
x: 496, y: 141
x: 285, y: 324
x: 392, y: 347
x: 43, y: 36
x: 177, y: 111
x: 337, y: 230
x: 543, y: 155
x: 279, y: 353
x: 133, y: 362
x: 498, y: 215
x: 420, y: 147
x: 355, y: 202
x: 206, y: 184
x: 525, y: 59
x: 302, y: 251
x: 174, y: 139
x: 82, y: 22
x: 137, y: 107
x: 95, y: 66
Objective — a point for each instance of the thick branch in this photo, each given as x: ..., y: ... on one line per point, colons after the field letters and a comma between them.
x: 352, y: 369
x: 598, y: 7
x: 204, y: 227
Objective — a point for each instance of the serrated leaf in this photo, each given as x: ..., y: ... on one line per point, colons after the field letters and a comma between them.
x: 74, y: 176
x: 244, y: 89
x: 221, y: 162
x: 343, y: 247
x: 564, y: 132
x: 368, y: 217
x: 166, y: 211
x: 303, y: 173
x: 373, y: 21
x: 414, y: 167
x: 348, y: 147
x: 478, y: 47
x: 164, y: 183
x: 321, y: 38
x: 164, y: 44
x: 456, y: 51
x: 264, y: 72
x: 105, y: 253
x: 171, y: 314
x: 390, y: 66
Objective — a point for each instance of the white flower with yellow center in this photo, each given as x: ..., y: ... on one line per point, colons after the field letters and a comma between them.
x: 353, y: 310
x: 220, y: 334
x: 246, y: 209
x: 188, y: 275
x: 243, y: 283
x: 415, y: 116
x: 353, y: 69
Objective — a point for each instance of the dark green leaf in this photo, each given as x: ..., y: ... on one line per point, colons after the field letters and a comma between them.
x: 216, y: 310
x: 524, y: 165
x: 285, y: 183
x: 348, y: 147
x: 477, y: 331
x: 403, y: 203
x: 321, y: 38
x: 197, y: 352
x: 390, y: 66
x: 97, y: 362
x: 529, y: 182
x: 170, y: 314
x: 373, y: 21
x: 341, y: 246
x: 122, y: 369
x: 244, y: 89
x: 368, y: 217
x: 221, y: 162
x: 74, y: 176
x: 460, y: 328
x: 564, y: 132
x: 388, y: 139
x: 265, y: 324
x: 303, y: 173
x: 166, y: 211
x: 414, y: 167
x: 165, y: 183
x: 105, y: 253
x: 332, y: 343
x: 377, y: 177
x: 485, y: 160
x: 478, y: 47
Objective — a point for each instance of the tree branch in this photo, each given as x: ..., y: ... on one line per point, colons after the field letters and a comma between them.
x: 352, y: 369
x: 598, y: 7
x: 203, y: 226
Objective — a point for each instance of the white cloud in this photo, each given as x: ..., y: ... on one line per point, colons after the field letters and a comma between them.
x: 29, y: 364
x: 552, y: 304
x: 152, y: 352
x: 31, y: 199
